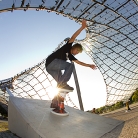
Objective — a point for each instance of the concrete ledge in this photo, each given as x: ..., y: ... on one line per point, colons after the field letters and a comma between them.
x: 31, y: 118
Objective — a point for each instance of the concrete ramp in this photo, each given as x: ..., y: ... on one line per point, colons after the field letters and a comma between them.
x: 31, y: 118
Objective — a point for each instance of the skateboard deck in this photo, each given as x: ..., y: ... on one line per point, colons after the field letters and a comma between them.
x: 58, y: 103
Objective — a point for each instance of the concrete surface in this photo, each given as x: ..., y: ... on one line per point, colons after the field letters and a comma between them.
x: 129, y: 129
x: 31, y: 118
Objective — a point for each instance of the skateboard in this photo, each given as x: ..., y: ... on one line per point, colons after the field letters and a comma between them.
x: 58, y: 103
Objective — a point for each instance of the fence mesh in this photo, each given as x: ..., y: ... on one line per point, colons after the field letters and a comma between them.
x: 111, y: 41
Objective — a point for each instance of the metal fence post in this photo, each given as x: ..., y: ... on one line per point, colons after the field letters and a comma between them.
x: 77, y: 88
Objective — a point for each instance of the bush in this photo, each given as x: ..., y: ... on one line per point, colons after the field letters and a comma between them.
x: 119, y: 105
x: 134, y: 97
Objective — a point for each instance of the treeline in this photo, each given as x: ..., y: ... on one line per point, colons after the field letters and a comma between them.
x: 105, y: 109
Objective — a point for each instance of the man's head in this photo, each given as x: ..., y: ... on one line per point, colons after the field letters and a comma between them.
x: 76, y: 48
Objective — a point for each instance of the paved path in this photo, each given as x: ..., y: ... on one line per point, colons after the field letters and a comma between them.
x: 130, y: 127
x: 127, y: 130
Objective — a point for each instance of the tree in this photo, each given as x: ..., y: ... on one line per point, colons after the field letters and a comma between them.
x: 101, y: 109
x: 119, y: 105
x: 135, y: 96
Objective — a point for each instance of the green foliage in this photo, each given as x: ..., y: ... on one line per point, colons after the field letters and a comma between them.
x: 119, y: 105
x: 101, y: 109
x: 135, y: 96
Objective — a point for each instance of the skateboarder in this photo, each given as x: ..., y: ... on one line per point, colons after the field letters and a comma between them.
x: 57, y: 61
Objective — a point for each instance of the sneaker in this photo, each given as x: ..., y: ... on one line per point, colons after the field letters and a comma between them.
x: 65, y: 86
x: 54, y: 103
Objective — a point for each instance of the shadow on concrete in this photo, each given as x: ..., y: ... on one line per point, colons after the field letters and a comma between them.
x: 114, y: 133
x: 8, y: 134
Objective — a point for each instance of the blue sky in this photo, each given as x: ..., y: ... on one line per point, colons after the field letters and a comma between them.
x: 29, y: 37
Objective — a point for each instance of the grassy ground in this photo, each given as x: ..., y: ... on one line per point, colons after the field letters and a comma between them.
x: 4, y: 126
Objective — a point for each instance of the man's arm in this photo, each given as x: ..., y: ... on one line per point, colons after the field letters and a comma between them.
x: 84, y: 64
x: 78, y: 32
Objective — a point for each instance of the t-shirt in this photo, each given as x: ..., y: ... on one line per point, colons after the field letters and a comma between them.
x: 64, y: 53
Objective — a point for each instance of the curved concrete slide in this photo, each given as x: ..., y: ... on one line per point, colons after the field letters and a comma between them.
x: 32, y: 118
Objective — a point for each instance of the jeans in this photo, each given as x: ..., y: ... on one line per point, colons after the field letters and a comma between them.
x: 55, y: 70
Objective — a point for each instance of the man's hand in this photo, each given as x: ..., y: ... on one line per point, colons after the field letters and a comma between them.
x: 84, y: 24
x: 72, y: 39
x: 92, y: 66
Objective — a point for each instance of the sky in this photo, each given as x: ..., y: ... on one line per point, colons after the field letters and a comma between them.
x: 26, y: 38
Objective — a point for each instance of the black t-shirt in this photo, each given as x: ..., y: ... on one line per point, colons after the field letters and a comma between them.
x: 63, y: 53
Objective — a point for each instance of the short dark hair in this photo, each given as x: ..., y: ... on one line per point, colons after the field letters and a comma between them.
x: 79, y: 46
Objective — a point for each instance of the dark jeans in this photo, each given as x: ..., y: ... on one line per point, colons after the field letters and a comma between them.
x: 55, y: 70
